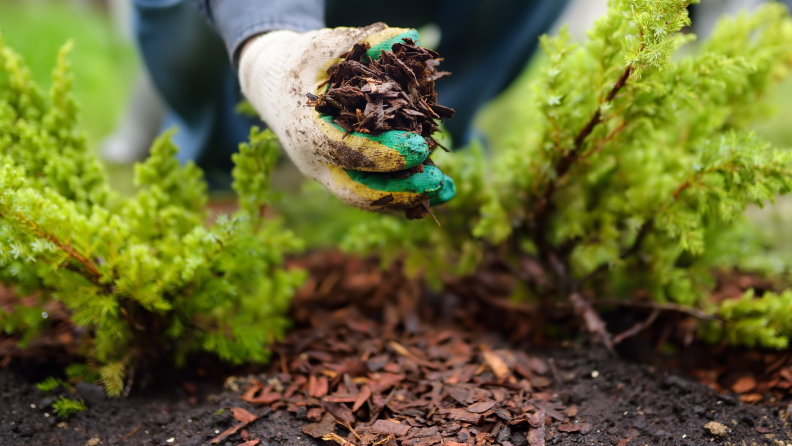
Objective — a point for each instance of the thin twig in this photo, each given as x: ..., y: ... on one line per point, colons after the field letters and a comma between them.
x: 130, y: 382
x: 539, y: 220
x: 542, y: 207
x: 134, y: 430
x: 594, y: 323
x: 63, y: 247
x: 681, y: 189
x: 282, y: 357
x: 659, y: 306
x: 608, y: 139
x: 426, y: 206
x: 553, y: 368
x: 637, y: 328
x: 569, y: 159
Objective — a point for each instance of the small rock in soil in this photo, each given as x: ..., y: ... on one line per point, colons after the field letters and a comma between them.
x: 46, y: 402
x: 91, y: 394
x: 679, y: 383
x: 504, y: 434
x: 717, y: 429
x: 163, y: 418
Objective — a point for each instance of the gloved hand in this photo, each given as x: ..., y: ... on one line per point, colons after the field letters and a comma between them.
x: 276, y: 71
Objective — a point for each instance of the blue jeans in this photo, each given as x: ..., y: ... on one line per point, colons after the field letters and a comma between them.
x: 189, y: 67
x: 486, y: 43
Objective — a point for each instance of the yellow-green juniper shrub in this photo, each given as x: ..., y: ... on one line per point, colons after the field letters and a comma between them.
x: 629, y: 169
x: 144, y: 276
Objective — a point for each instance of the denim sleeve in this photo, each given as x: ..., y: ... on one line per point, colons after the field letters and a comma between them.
x: 238, y: 20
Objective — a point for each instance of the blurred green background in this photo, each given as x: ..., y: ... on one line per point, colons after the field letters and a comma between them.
x: 105, y: 66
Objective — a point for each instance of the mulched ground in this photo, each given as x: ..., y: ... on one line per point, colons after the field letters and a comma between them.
x: 368, y: 366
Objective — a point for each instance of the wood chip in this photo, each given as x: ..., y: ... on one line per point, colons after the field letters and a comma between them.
x: 332, y: 436
x: 549, y: 410
x: 362, y: 397
x: 751, y: 398
x: 481, y: 407
x: 317, y: 387
x: 252, y: 390
x: 318, y: 430
x: 744, y: 384
x: 241, y: 415
x: 341, y: 412
x: 495, y: 363
x: 386, y: 427
x: 536, y: 436
x: 569, y: 428
x: 461, y: 415
x: 425, y: 441
x: 385, y: 382
x: 537, y: 419
x: 315, y: 414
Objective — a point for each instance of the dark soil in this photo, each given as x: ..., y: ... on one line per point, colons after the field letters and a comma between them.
x: 623, y: 401
x: 580, y: 394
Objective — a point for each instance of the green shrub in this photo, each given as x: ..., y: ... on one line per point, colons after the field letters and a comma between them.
x: 50, y: 384
x: 145, y: 276
x: 65, y: 407
x: 627, y: 173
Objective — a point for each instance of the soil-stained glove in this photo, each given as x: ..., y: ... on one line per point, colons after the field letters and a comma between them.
x: 276, y: 71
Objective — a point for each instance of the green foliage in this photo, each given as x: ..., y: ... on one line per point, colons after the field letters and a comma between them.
x: 751, y: 320
x: 146, y: 276
x: 64, y: 407
x: 49, y: 384
x: 253, y: 167
x: 105, y: 63
x: 628, y: 174
x: 78, y: 372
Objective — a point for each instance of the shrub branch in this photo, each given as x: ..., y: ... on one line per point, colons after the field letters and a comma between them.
x: 548, y: 253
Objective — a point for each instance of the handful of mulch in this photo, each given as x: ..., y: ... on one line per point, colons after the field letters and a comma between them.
x: 394, y: 92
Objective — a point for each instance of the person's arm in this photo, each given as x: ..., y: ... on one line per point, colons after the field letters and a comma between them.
x: 285, y: 58
x: 237, y: 21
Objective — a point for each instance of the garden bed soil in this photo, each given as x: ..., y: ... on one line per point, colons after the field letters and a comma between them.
x: 624, y: 402
x: 447, y: 371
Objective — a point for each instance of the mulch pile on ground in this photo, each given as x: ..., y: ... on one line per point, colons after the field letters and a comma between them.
x: 422, y: 389
x: 368, y: 370
x: 375, y: 359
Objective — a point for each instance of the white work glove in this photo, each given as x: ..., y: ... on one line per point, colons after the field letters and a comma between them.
x: 279, y: 68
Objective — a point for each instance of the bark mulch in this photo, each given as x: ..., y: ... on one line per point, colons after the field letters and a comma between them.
x: 367, y: 365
